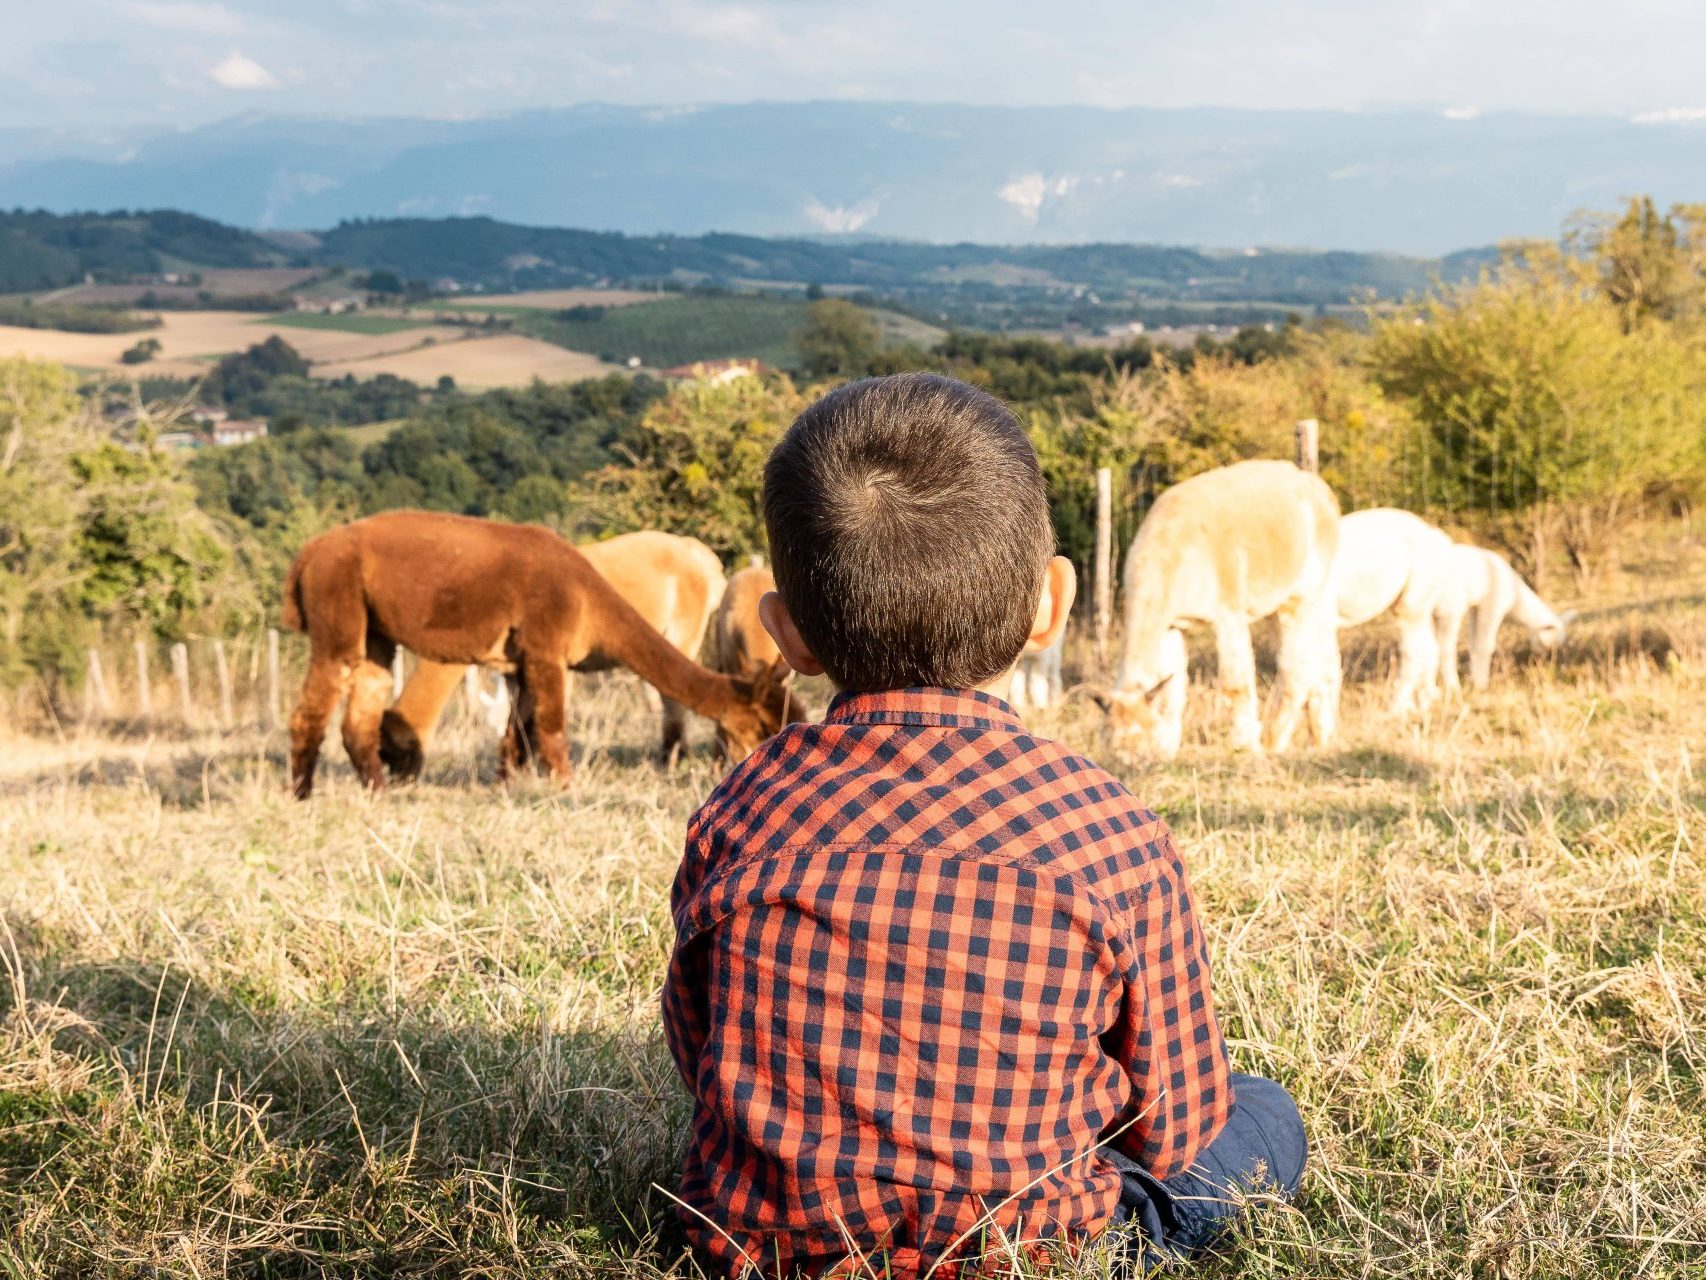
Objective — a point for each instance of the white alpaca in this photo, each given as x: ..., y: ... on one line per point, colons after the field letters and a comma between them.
x: 1036, y: 678
x: 1488, y: 590
x: 1394, y: 562
x: 1225, y: 549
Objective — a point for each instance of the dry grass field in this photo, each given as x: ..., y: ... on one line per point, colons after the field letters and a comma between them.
x: 416, y: 1034
x: 503, y: 360
x: 192, y: 340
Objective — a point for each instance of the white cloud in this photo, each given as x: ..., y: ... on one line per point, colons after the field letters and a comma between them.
x: 841, y: 219
x: 181, y: 15
x: 1181, y: 181
x: 1025, y: 193
x: 1462, y: 113
x: 237, y: 72
x: 1671, y: 115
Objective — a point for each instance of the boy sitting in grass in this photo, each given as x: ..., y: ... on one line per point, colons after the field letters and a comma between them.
x: 939, y: 986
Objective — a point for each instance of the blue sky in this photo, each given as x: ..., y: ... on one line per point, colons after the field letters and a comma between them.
x: 101, y: 64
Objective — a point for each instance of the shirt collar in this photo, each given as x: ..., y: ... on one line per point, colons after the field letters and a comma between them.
x: 951, y: 708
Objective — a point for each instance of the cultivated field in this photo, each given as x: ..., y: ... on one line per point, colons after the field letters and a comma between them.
x: 417, y: 1034
x: 502, y: 360
x: 544, y: 300
x: 191, y: 341
x: 362, y: 345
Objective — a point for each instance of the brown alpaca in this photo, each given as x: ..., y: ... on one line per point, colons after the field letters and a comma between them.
x: 674, y: 583
x: 744, y: 647
x: 458, y: 590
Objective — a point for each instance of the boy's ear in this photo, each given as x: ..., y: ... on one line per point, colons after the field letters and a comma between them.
x: 1054, y: 606
x: 780, y: 624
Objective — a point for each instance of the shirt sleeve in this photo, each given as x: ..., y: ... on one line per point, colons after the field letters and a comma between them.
x: 1167, y: 1038
x: 685, y: 998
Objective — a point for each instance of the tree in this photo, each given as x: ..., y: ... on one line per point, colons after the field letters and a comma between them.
x: 142, y: 352
x: 93, y: 534
x: 1541, y: 409
x: 694, y: 465
x: 1640, y: 263
x: 838, y: 339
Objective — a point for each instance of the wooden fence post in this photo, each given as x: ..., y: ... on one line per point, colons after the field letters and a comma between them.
x: 181, y: 673
x: 1104, y: 585
x: 144, y: 694
x: 96, y: 697
x: 1309, y: 445
x: 272, y: 677
x: 224, y: 672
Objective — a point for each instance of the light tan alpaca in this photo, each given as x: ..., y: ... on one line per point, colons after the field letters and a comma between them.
x: 742, y: 643
x: 1225, y: 549
x: 674, y: 583
x: 1393, y: 562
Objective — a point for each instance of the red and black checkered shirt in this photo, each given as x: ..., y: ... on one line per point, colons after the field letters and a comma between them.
x: 925, y: 963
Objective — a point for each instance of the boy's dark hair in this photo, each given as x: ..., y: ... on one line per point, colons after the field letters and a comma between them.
x: 909, y: 530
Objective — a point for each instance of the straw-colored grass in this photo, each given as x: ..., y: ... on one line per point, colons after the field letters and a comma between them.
x: 417, y: 1035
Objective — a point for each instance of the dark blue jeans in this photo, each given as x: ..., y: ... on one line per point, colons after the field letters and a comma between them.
x: 1262, y: 1148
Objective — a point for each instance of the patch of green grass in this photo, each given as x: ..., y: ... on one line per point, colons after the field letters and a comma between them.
x: 373, y: 432
x: 347, y: 322
x: 678, y: 330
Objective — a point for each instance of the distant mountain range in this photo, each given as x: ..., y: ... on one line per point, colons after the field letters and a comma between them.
x: 1419, y: 182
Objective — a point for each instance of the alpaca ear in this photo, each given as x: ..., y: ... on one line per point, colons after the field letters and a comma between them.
x: 1100, y: 696
x: 1155, y: 690
x: 1568, y: 616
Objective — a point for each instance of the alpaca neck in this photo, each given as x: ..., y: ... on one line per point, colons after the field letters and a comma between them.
x: 623, y: 636
x: 1150, y: 614
x: 1530, y: 610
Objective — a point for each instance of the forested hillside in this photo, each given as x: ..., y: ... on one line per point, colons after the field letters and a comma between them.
x: 990, y: 286
x: 46, y: 251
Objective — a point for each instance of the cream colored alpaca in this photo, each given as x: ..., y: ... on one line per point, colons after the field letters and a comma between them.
x: 1487, y: 590
x: 1225, y: 549
x: 1392, y: 562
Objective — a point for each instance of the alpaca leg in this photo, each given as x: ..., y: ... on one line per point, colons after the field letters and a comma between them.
x: 515, y: 752
x: 1448, y: 623
x: 325, y: 687
x: 1483, y: 640
x: 1418, y: 665
x: 1170, y: 713
x: 1299, y: 665
x: 1323, y: 705
x: 674, y: 727
x: 1237, y: 662
x: 370, y: 689
x: 546, y: 678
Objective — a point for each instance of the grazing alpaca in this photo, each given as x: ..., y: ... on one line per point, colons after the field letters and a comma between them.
x: 1036, y: 678
x: 1489, y: 591
x: 743, y: 646
x: 459, y: 590
x: 1226, y: 549
x: 1393, y: 562
x: 674, y: 583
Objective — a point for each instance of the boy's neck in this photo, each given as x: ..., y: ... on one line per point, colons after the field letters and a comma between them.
x: 999, y: 687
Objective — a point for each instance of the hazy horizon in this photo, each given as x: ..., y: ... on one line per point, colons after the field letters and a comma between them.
x: 126, y: 64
